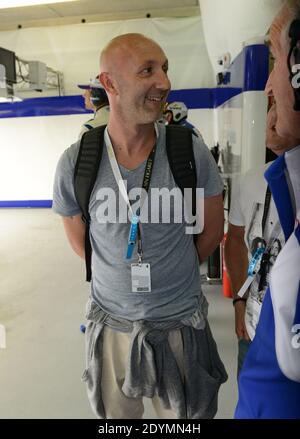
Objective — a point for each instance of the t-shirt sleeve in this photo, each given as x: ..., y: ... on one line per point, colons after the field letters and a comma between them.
x: 208, y: 176
x: 236, y: 216
x: 64, y: 201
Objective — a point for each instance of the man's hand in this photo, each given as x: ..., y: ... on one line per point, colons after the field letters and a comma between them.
x: 236, y: 257
x: 240, y: 327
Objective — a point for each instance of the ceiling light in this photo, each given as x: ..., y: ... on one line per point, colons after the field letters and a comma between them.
x: 19, y: 3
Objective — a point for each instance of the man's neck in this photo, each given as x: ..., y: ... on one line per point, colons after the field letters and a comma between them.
x: 131, y: 140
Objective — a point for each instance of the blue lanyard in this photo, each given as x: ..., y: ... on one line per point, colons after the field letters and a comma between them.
x: 256, y: 258
x: 135, y: 232
x: 134, y: 227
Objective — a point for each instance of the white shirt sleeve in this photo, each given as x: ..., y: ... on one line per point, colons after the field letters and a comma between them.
x: 236, y: 216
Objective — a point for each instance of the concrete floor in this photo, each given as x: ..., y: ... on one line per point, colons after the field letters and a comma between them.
x: 42, y: 302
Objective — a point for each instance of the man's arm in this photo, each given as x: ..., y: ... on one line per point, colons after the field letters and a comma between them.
x: 236, y: 259
x: 75, y: 231
x: 213, y: 230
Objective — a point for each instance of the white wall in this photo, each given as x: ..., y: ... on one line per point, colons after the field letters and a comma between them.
x: 203, y: 120
x: 30, y: 148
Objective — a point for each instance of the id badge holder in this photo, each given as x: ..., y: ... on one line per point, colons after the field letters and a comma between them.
x: 141, y: 277
x: 253, y: 269
x: 132, y: 236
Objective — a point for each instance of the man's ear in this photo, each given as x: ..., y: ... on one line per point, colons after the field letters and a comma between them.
x: 108, y: 83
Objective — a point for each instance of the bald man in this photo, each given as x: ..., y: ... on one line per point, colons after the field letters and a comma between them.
x: 147, y: 333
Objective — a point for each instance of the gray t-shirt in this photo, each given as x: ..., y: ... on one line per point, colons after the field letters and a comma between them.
x: 171, y: 253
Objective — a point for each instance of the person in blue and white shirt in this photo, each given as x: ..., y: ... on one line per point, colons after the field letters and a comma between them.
x: 269, y: 382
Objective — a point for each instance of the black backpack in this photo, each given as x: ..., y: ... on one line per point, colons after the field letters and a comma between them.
x: 179, y: 144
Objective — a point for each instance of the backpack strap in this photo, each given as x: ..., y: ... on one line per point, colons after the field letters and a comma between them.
x: 85, y: 174
x: 179, y: 144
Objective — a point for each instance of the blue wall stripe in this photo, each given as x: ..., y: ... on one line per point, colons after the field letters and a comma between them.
x: 204, y: 98
x: 193, y: 98
x: 223, y: 94
x: 26, y: 203
x: 50, y: 106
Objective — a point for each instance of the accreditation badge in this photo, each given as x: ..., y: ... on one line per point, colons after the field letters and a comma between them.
x: 140, y: 278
